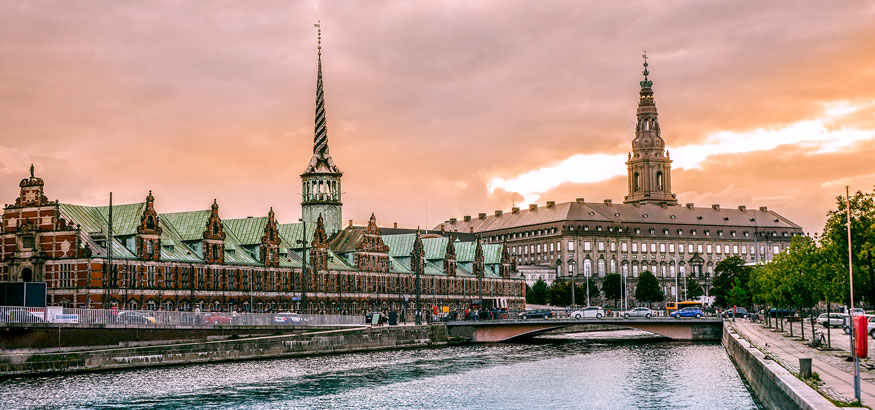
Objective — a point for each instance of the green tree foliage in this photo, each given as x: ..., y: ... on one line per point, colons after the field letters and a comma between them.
x: 727, y: 271
x: 612, y: 286
x: 560, y: 293
x: 538, y: 293
x: 835, y: 242
x: 648, y: 290
x: 694, y: 289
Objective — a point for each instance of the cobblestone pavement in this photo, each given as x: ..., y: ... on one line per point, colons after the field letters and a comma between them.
x: 836, y: 374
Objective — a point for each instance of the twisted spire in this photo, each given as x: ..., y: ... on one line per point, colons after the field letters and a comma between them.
x: 321, y: 161
x: 320, y: 140
x: 646, y: 83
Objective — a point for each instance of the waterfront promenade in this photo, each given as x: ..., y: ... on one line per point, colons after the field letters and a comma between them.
x: 836, y: 374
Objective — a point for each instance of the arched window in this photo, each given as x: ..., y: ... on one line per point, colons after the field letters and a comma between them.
x: 659, y: 186
x: 215, y: 229
x: 601, y: 267
x: 613, y: 266
x: 150, y: 223
x: 559, y: 269
x: 570, y: 268
x: 587, y: 268
x: 637, y: 182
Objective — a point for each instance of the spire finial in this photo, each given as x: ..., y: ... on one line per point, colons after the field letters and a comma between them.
x: 31, y: 170
x: 646, y: 83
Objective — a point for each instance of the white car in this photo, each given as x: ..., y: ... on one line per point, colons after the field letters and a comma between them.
x: 589, y: 311
x: 835, y: 319
x: 638, y: 312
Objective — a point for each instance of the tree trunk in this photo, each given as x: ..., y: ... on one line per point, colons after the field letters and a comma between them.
x: 828, y: 332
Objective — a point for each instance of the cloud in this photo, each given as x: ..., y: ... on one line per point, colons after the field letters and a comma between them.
x: 812, y: 135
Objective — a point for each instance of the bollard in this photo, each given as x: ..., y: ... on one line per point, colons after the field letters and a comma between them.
x: 804, y: 367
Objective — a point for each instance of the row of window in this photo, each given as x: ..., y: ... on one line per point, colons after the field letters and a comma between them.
x: 644, y: 247
x: 652, y: 231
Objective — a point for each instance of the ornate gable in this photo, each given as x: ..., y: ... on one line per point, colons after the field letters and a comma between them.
x: 450, y: 258
x: 372, y: 255
x: 214, y: 237
x: 507, y: 266
x: 319, y: 247
x: 270, y: 241
x: 31, y: 192
x: 417, y: 255
x: 478, y: 260
x: 149, y: 232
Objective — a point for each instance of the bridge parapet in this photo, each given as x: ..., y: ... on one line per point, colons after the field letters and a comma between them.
x: 704, y: 329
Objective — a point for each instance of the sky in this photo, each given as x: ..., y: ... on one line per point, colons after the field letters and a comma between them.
x: 435, y: 109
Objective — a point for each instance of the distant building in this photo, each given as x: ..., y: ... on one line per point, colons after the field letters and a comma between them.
x: 648, y: 231
x: 197, y: 259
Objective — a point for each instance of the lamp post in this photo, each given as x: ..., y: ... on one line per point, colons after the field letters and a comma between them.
x: 586, y: 278
x: 851, y: 277
x: 304, y: 257
x: 573, y: 296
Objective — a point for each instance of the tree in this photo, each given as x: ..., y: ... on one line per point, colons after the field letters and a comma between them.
x: 727, y: 271
x: 538, y: 293
x: 835, y: 241
x: 694, y: 289
x: 612, y: 286
x: 648, y: 290
x: 560, y: 293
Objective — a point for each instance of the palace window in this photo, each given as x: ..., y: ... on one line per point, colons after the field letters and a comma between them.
x: 709, y: 248
x: 601, y: 246
x: 634, y: 246
x: 570, y: 245
x: 613, y: 246
x: 587, y: 267
x: 671, y: 248
x: 601, y: 267
x: 662, y: 248
x: 624, y: 247
x: 653, y: 247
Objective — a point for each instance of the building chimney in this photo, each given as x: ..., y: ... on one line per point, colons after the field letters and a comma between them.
x: 551, y: 204
x: 442, y: 229
x: 453, y: 221
x: 515, y: 210
x: 498, y: 213
x: 481, y: 216
x: 608, y: 202
x: 471, y: 229
x: 467, y: 218
x: 533, y: 207
x: 742, y: 208
x: 395, y: 225
x: 764, y: 208
x: 690, y: 205
x: 716, y: 207
x: 350, y: 223
x: 580, y: 201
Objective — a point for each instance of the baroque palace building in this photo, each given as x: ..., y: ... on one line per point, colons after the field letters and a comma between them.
x: 197, y: 259
x: 648, y: 231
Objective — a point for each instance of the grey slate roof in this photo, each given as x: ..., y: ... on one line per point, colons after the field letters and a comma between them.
x: 600, y: 212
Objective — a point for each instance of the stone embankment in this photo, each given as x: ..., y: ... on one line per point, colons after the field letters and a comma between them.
x: 261, y: 347
x: 774, y: 386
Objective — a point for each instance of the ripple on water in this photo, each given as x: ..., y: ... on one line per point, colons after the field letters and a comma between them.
x: 566, y: 374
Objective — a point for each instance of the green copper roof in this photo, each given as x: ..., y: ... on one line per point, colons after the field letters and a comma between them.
x: 125, y: 218
x: 190, y: 225
x: 400, y: 245
x: 248, y: 230
x: 435, y: 248
x: 172, y: 246
x: 90, y: 220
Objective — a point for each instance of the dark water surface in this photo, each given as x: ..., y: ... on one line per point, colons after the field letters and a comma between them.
x: 559, y: 374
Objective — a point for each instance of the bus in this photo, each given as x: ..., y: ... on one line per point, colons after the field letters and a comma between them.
x: 670, y: 307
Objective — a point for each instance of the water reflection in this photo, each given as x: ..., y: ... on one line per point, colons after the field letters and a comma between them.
x: 567, y: 373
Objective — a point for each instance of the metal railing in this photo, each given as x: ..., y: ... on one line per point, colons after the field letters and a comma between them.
x: 160, y: 318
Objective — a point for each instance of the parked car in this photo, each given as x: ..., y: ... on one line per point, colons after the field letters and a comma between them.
x: 536, y: 313
x: 782, y: 312
x: 691, y: 311
x: 217, y: 319
x: 289, y: 318
x: 589, y: 311
x: 835, y: 319
x: 871, y: 329
x: 739, y: 312
x: 23, y: 316
x: 134, y: 318
x: 638, y: 312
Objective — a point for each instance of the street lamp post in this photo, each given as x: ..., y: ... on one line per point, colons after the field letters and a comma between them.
x: 851, y: 276
x: 304, y: 257
x: 586, y: 277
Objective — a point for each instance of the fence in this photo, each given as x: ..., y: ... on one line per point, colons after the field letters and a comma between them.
x: 157, y: 318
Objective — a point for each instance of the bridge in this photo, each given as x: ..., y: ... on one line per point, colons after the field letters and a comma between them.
x: 490, y: 331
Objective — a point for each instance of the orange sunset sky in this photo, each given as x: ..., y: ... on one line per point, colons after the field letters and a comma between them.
x: 456, y: 107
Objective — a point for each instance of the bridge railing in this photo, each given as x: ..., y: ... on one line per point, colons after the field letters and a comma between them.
x: 157, y: 318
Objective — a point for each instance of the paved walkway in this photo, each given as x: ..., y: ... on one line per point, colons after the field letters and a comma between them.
x: 835, y: 372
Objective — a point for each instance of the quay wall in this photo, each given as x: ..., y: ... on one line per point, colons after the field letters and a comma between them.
x: 61, y: 336
x: 774, y: 386
x: 261, y: 347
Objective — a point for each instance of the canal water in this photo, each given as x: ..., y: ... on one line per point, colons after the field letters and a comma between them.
x: 579, y: 371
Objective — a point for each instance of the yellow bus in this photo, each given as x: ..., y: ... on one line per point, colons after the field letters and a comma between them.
x: 670, y: 307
